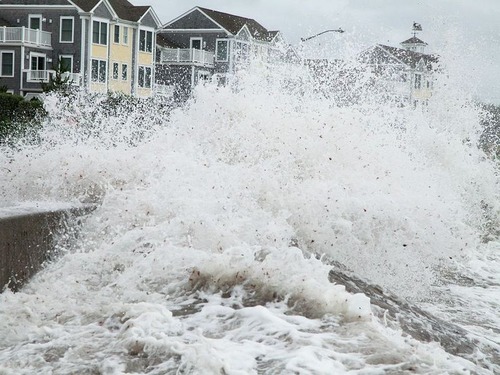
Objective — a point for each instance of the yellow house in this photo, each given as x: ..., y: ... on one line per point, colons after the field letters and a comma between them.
x: 118, y: 46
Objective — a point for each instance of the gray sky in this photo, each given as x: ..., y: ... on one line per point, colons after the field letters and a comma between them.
x: 466, y: 32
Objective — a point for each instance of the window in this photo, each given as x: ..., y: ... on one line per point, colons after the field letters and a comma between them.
x: 144, y: 77
x: 100, y: 33
x: 418, y: 81
x: 221, y: 53
x: 98, y: 73
x: 66, y: 63
x: 115, y: 70
x: 117, y: 34
x: 7, y: 64
x: 195, y: 43
x: 35, y: 21
x: 125, y: 35
x: 146, y: 41
x: 66, y: 35
x: 37, y: 62
x: 38, y: 70
x: 124, y: 72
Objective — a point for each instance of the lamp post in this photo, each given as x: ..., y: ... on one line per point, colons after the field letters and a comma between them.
x: 339, y: 30
x: 302, y: 40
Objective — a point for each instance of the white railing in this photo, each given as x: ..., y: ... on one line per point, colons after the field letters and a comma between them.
x: 74, y: 79
x: 164, y: 90
x: 25, y: 35
x: 187, y: 55
x: 38, y: 75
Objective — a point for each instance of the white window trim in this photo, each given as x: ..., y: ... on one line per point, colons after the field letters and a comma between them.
x: 13, y: 62
x: 30, y: 16
x: 37, y: 54
x: 72, y: 29
x: 119, y: 33
x: 100, y: 20
x: 121, y: 72
x: 193, y: 38
x: 146, y: 30
x: 217, y: 50
x: 125, y: 27
x: 151, y: 77
x: 113, y: 71
x: 68, y: 57
x: 98, y: 65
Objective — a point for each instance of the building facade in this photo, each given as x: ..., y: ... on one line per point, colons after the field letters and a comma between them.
x: 203, y: 43
x: 406, y: 74
x: 101, y: 45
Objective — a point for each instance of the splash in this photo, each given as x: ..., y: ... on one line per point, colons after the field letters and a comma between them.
x: 221, y: 202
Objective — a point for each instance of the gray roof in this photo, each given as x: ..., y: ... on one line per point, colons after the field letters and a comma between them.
x: 4, y: 22
x: 123, y: 8
x: 128, y: 11
x: 86, y: 5
x: 164, y: 41
x: 381, y: 54
x: 34, y: 2
x: 233, y: 23
x: 414, y: 40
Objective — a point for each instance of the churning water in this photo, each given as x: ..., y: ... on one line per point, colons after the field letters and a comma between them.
x: 231, y: 235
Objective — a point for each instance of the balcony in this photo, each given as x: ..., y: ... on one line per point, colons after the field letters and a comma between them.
x: 25, y: 36
x: 188, y: 56
x: 39, y: 76
x: 74, y: 79
x: 164, y: 90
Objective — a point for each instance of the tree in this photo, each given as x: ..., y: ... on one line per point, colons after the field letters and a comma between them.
x: 59, y: 80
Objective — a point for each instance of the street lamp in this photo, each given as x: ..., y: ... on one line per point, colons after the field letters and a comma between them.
x: 339, y: 30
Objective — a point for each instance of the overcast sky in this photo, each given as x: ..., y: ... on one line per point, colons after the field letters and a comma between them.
x: 467, y: 32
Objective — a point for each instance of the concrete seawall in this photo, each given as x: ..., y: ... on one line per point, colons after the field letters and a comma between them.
x: 27, y: 238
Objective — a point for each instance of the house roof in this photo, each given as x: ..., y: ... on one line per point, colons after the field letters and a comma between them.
x: 127, y: 11
x: 233, y: 23
x: 414, y: 40
x: 86, y: 5
x: 382, y: 54
x: 34, y: 2
x: 4, y: 22
x: 272, y: 34
x: 164, y: 41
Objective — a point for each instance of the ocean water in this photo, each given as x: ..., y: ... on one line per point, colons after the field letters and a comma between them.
x: 222, y: 225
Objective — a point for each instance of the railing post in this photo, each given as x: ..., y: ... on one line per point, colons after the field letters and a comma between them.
x: 22, y: 34
x: 178, y: 54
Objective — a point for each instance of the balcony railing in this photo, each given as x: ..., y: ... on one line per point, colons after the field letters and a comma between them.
x: 23, y: 35
x: 38, y: 75
x: 74, y: 79
x: 164, y: 90
x: 187, y: 56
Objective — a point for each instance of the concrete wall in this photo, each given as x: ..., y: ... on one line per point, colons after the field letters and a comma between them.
x: 27, y: 240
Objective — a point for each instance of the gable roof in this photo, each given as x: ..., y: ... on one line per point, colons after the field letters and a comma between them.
x: 414, y: 40
x: 233, y: 23
x: 382, y: 54
x: 86, y: 5
x: 126, y: 11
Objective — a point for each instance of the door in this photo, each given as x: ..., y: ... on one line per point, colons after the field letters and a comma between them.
x: 37, y: 68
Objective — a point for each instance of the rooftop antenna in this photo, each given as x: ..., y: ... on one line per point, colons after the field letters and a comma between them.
x: 416, y: 27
